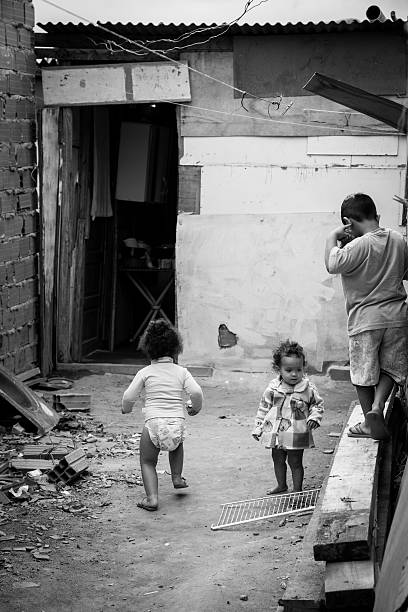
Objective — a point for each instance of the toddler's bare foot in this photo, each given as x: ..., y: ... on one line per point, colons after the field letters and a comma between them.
x: 277, y: 490
x: 179, y: 482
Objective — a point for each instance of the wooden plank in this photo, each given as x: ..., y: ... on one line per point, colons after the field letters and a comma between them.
x: 391, y: 113
x: 389, y: 585
x: 49, y: 167
x: 189, y: 189
x: 26, y: 465
x: 83, y: 192
x: 349, y: 585
x: 401, y: 602
x: 306, y: 589
x: 345, y: 531
x: 68, y: 219
x: 23, y: 376
x: 115, y: 84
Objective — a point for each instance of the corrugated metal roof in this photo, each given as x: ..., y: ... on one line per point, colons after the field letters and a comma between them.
x: 172, y: 30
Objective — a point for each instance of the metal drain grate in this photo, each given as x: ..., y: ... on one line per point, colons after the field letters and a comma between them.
x: 246, y: 511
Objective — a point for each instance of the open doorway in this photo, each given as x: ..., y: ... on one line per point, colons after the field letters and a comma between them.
x: 129, y: 260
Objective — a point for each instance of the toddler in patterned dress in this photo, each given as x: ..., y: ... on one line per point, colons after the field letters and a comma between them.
x: 290, y: 408
x: 164, y: 384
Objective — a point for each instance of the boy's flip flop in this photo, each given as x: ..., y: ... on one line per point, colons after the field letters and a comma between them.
x: 356, y: 431
x: 182, y: 485
x: 142, y: 504
x: 377, y: 426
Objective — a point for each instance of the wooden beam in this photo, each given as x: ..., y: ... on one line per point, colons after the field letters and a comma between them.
x: 349, y: 585
x: 390, y: 113
x: 49, y: 169
x: 306, y: 589
x: 83, y: 196
x: 346, y: 522
x: 115, y: 84
x: 392, y: 586
x: 66, y: 241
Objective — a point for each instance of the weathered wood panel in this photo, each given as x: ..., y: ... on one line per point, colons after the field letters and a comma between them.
x: 306, y: 586
x: 115, y: 84
x: 392, y: 586
x: 49, y: 161
x: 348, y: 510
x: 66, y: 242
x: 189, y: 189
x: 349, y: 585
x: 221, y: 114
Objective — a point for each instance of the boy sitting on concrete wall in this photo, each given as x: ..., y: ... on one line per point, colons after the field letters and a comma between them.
x: 372, y: 267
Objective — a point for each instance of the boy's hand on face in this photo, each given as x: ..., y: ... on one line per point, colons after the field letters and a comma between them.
x: 342, y: 231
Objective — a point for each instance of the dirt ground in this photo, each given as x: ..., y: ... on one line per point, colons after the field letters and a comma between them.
x: 106, y: 553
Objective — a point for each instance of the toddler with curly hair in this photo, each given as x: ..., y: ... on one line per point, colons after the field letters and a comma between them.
x: 164, y: 383
x: 290, y: 408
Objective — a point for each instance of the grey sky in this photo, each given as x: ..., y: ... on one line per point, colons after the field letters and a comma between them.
x: 209, y: 11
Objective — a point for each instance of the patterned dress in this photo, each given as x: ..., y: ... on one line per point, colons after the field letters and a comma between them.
x: 283, y: 414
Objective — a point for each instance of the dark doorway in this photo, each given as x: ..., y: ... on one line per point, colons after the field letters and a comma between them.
x: 129, y: 276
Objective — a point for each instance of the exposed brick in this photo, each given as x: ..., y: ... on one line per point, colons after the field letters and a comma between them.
x: 8, y: 202
x: 7, y: 58
x: 13, y: 296
x: 14, y: 226
x: 11, y: 249
x: 19, y: 15
x: 2, y: 33
x: 27, y: 201
x: 27, y: 246
x: 26, y: 155
x: 30, y: 224
x: 25, y: 38
x: 21, y: 85
x: 11, y: 35
x: 17, y: 131
x: 27, y: 178
x: 5, y: 158
x: 29, y: 18
x: 3, y: 274
x: 9, y: 179
x: 7, y: 10
x: 24, y: 61
x: 25, y: 109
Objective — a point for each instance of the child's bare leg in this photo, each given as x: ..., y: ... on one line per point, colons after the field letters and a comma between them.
x: 176, y: 459
x: 280, y: 467
x: 372, y: 401
x: 295, y: 460
x: 382, y: 391
x: 148, y: 461
x: 366, y: 398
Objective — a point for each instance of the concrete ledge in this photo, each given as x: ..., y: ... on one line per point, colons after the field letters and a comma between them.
x: 125, y: 368
x: 339, y: 373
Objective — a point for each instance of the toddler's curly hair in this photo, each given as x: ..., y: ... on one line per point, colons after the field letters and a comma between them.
x: 161, y: 340
x: 288, y: 348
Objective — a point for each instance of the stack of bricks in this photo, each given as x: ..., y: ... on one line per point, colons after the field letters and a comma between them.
x: 19, y: 239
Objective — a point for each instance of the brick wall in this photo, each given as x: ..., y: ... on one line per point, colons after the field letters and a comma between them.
x: 18, y: 198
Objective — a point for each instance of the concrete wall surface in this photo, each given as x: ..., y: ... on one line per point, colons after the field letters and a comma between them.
x: 253, y: 258
x: 264, y: 277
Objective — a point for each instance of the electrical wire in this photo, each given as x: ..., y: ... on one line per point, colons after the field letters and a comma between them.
x: 210, y: 77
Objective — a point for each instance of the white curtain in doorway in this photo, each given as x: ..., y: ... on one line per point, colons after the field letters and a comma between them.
x: 101, y: 192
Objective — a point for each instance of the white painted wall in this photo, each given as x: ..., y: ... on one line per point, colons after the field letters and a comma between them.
x: 253, y: 258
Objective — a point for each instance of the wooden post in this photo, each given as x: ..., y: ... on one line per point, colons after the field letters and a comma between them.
x: 49, y: 165
x: 66, y: 243
x: 82, y: 231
